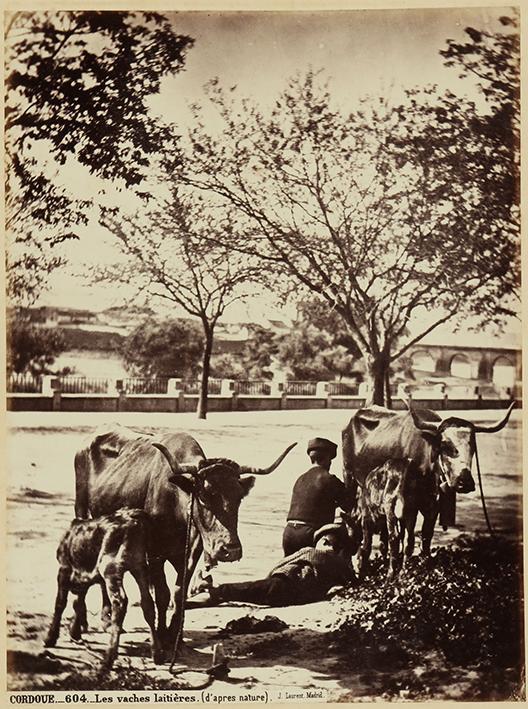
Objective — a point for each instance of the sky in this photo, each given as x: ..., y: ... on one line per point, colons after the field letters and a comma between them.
x: 361, y: 51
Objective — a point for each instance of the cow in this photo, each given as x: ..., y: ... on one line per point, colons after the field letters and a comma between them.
x: 387, y: 503
x: 100, y: 551
x: 441, y: 453
x: 122, y: 468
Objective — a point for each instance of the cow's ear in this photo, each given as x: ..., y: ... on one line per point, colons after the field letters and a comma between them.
x: 247, y: 483
x: 185, y: 482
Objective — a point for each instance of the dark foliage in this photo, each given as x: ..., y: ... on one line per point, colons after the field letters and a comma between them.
x: 31, y: 349
x: 77, y: 85
x: 170, y: 348
x: 464, y: 601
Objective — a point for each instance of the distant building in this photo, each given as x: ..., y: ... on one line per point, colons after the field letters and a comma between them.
x: 441, y: 358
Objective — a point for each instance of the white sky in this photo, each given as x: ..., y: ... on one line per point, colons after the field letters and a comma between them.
x: 362, y: 51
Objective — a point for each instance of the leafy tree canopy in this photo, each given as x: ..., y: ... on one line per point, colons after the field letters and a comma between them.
x: 77, y: 84
x: 309, y: 353
x: 386, y: 213
x: 167, y: 348
x: 31, y: 349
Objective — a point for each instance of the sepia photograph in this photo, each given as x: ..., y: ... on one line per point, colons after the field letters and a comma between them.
x: 263, y: 373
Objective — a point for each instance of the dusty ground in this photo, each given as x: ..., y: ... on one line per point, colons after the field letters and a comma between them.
x: 304, y: 656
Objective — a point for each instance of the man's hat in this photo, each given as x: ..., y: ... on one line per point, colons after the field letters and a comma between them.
x: 322, y: 444
x: 338, y: 529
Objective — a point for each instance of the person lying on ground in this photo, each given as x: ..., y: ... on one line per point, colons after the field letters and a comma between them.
x: 303, y: 577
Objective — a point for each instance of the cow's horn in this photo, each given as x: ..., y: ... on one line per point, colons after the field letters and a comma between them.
x: 177, y: 468
x: 422, y: 425
x: 244, y: 469
x: 497, y: 426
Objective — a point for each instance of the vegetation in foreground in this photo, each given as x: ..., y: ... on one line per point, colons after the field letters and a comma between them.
x: 459, y: 611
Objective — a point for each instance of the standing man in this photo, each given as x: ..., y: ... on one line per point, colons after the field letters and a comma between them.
x: 315, y: 497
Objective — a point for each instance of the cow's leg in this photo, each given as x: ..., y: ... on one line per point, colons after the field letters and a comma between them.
x: 408, y: 526
x: 393, y: 538
x: 384, y: 535
x: 365, y: 549
x: 63, y: 581
x: 162, y: 596
x: 106, y: 609
x: 149, y: 612
x: 113, y: 577
x: 180, y: 592
x: 430, y: 514
x: 79, y: 622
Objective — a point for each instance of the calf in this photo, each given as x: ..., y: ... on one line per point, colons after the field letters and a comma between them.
x: 388, y: 504
x: 100, y: 551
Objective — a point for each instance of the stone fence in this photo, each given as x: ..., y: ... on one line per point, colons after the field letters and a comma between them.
x: 176, y: 395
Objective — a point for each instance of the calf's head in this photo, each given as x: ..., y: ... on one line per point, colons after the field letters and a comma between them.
x: 219, y: 486
x: 453, y: 445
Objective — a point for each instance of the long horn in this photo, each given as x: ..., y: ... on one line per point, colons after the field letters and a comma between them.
x: 177, y: 468
x: 422, y: 425
x: 244, y: 469
x: 497, y: 426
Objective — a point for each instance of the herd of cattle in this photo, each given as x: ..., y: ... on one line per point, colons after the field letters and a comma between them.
x: 141, y: 501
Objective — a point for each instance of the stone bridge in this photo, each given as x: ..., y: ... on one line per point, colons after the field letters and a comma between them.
x: 500, y: 366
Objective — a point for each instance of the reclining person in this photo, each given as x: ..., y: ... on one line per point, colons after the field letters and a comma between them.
x: 305, y: 576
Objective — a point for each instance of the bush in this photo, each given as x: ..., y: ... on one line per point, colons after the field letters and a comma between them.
x: 464, y: 600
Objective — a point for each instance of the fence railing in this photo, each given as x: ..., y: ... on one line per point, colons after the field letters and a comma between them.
x: 164, y: 386
x: 24, y: 384
x: 142, y: 385
x: 214, y: 386
x: 83, y: 385
x: 342, y: 389
x: 252, y: 388
x: 298, y: 388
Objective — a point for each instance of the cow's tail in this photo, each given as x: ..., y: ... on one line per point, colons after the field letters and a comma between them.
x: 82, y: 491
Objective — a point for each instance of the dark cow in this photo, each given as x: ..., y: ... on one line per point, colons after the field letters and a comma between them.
x: 122, y: 468
x: 100, y: 551
x: 440, y: 451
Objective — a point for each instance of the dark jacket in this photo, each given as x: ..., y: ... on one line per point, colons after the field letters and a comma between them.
x: 315, y: 497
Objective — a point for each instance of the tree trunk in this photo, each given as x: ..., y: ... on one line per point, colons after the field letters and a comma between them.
x: 377, y: 367
x: 206, y: 368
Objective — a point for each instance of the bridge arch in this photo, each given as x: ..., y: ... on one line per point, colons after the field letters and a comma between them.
x: 460, y: 366
x: 423, y: 361
x: 503, y: 371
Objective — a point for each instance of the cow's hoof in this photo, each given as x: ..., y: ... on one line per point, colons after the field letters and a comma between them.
x: 158, y: 656
x: 50, y: 641
x: 75, y: 631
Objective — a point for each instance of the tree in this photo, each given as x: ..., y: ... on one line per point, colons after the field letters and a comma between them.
x: 309, y: 353
x: 384, y: 213
x: 31, y: 349
x: 259, y: 351
x: 76, y: 89
x: 171, y: 256
x: 167, y: 348
x: 492, y: 59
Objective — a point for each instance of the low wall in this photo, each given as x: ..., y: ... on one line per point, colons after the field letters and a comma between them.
x: 188, y: 403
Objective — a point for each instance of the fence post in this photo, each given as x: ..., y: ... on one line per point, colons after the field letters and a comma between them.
x: 321, y: 391
x: 276, y: 391
x: 173, y: 386
x: 47, y: 387
x: 227, y: 387
x: 55, y: 388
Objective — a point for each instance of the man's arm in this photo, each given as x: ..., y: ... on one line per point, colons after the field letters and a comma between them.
x: 344, y: 497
